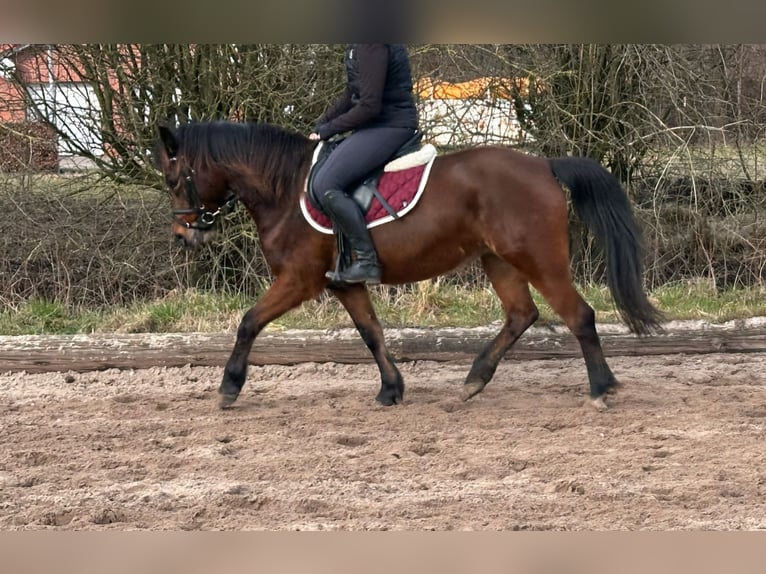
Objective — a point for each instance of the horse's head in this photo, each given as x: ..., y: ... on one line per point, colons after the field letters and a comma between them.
x: 198, y: 197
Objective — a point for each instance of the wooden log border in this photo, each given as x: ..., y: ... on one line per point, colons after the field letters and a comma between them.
x: 44, y: 353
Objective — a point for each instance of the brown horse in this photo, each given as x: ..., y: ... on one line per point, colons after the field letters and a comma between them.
x: 506, y: 208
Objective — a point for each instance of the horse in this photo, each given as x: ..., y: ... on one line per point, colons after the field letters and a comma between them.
x: 504, y: 207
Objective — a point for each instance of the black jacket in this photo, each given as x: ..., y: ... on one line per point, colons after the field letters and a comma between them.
x: 378, y: 91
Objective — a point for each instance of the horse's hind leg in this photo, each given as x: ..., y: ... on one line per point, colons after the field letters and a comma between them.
x: 356, y: 300
x: 558, y: 290
x: 520, y: 312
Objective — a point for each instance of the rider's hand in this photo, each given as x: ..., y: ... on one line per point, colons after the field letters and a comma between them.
x: 314, y: 136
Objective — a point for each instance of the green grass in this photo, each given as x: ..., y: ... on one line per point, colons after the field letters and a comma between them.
x: 700, y: 301
x: 40, y: 317
x: 426, y: 304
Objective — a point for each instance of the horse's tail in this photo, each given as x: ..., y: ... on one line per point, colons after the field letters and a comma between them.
x: 602, y: 204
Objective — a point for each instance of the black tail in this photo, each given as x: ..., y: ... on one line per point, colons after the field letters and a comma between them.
x: 602, y: 204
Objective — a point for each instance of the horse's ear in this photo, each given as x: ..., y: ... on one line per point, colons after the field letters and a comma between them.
x: 168, y: 138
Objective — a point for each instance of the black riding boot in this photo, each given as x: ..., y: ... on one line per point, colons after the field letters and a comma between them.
x: 346, y: 214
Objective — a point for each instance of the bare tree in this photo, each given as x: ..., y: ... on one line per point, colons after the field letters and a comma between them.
x: 680, y: 125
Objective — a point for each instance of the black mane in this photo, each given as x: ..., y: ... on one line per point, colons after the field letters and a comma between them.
x: 277, y: 156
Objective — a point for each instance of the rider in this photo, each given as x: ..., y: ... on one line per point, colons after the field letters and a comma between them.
x: 378, y: 108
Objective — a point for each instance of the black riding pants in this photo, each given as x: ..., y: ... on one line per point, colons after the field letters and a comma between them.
x: 357, y: 156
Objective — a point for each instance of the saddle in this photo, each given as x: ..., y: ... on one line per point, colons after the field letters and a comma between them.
x: 364, y: 192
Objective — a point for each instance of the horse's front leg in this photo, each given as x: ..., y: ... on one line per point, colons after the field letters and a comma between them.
x: 286, y: 293
x: 356, y: 300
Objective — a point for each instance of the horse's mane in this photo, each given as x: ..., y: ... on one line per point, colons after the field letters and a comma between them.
x: 275, y: 154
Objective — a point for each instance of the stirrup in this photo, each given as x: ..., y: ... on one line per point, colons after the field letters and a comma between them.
x: 336, y: 277
x: 340, y: 276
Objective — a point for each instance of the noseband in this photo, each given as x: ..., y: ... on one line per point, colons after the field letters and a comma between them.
x: 205, y: 218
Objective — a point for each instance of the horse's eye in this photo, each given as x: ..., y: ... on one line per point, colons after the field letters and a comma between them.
x: 172, y: 183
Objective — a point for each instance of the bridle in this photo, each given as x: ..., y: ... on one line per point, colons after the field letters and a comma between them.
x: 205, y: 217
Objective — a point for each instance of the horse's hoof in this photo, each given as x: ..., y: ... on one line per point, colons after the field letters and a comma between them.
x: 471, y: 390
x: 226, y: 401
x: 613, y: 387
x: 599, y: 404
x: 389, y: 399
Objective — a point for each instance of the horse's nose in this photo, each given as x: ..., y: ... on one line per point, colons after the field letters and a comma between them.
x: 180, y: 235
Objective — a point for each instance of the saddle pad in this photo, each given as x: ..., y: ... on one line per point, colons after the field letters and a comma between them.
x: 401, y: 189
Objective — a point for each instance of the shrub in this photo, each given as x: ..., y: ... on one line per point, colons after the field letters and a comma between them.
x: 27, y: 147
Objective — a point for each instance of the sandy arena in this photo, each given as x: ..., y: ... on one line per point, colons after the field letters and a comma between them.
x: 306, y: 448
